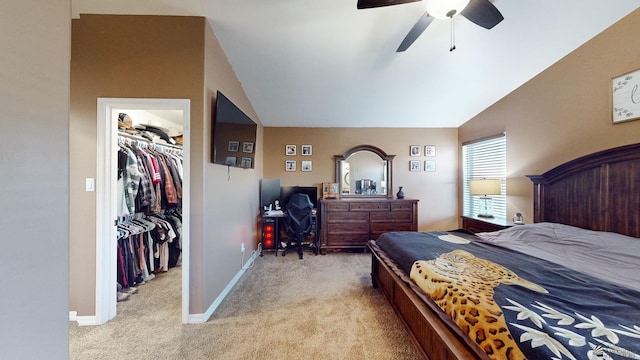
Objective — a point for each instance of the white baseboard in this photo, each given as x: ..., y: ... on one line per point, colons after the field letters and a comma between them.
x: 201, y: 318
x: 193, y: 318
x: 82, y: 320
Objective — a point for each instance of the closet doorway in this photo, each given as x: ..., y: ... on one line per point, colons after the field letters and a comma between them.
x: 107, y: 194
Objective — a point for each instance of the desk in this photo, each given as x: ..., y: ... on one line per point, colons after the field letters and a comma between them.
x: 280, y: 236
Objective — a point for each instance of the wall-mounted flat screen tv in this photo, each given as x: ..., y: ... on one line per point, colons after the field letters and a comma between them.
x: 234, y: 135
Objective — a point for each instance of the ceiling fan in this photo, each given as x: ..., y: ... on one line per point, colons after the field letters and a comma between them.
x: 480, y: 12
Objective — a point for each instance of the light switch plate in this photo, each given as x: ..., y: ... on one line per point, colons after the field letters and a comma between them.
x: 90, y: 184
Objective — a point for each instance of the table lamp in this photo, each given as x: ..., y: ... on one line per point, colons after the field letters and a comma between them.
x: 484, y: 188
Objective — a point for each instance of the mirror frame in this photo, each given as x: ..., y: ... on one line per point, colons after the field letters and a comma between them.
x: 370, y: 148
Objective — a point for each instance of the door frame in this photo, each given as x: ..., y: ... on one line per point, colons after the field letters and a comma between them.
x: 106, y: 194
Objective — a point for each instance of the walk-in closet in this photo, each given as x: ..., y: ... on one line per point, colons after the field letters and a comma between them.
x: 149, y: 205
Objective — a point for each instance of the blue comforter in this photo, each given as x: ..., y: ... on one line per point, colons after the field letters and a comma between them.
x: 581, y: 317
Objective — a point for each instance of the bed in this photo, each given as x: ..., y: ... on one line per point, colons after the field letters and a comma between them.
x: 553, y: 304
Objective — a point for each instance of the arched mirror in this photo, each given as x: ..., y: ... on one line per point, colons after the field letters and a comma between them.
x: 364, y: 170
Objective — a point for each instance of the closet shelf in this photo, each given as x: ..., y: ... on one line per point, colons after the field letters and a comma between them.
x: 147, y: 141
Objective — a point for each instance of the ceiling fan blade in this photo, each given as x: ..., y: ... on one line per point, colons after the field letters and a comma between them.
x: 366, y: 4
x: 417, y: 29
x: 482, y: 13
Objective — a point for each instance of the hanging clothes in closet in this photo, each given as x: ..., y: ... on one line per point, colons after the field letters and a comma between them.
x: 149, y: 210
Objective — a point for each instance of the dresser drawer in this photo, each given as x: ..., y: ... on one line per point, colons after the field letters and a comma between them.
x: 406, y: 206
x: 394, y: 216
x: 336, y: 205
x: 347, y: 239
x: 347, y: 216
x: 369, y: 206
x: 353, y: 227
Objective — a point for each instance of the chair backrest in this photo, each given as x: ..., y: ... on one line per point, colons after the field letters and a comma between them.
x: 299, y: 211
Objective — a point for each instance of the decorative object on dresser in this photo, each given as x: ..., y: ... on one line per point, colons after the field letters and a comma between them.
x: 478, y: 224
x: 351, y: 223
x: 400, y: 193
x: 330, y: 191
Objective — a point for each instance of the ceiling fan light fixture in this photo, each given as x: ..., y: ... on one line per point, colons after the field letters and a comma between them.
x: 445, y: 9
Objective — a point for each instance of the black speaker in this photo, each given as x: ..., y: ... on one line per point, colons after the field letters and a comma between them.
x: 269, y: 233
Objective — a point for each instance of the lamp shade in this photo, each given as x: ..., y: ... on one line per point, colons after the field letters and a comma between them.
x: 485, y: 187
x: 443, y: 9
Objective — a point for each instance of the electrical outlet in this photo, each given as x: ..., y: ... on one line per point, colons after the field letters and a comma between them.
x: 242, y: 247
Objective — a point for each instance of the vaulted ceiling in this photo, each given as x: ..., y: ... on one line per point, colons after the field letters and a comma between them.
x: 325, y: 63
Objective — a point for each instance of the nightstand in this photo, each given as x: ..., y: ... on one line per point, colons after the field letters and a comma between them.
x: 479, y: 224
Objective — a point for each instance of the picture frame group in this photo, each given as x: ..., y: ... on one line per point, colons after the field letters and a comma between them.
x: 292, y: 150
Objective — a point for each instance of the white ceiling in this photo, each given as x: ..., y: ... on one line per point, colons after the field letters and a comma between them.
x: 324, y: 63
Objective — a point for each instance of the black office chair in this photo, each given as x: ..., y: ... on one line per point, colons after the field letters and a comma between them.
x: 299, y: 221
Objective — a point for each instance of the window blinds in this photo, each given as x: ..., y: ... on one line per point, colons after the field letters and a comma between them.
x: 484, y: 159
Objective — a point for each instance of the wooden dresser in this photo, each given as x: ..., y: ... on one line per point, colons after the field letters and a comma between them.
x: 351, y: 223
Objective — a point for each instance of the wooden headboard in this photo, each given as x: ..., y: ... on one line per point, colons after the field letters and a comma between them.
x: 600, y: 191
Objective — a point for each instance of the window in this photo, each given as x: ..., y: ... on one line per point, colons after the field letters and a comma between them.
x: 484, y: 159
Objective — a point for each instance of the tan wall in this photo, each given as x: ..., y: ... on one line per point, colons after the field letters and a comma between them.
x: 562, y: 113
x: 230, y: 198
x: 124, y: 57
x: 436, y: 190
x: 150, y: 57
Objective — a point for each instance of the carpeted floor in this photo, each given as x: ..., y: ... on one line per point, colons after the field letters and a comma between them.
x: 321, y: 307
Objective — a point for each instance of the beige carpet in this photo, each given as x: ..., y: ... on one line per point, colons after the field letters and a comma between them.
x: 321, y: 307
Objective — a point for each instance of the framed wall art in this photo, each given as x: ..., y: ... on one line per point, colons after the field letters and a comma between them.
x: 625, y: 97
x: 246, y: 162
x: 231, y: 160
x: 233, y: 146
x: 414, y: 150
x: 247, y: 147
x: 306, y: 150
x: 414, y: 165
x: 429, y: 150
x: 429, y: 165
x: 290, y: 165
x: 306, y: 165
x: 290, y: 150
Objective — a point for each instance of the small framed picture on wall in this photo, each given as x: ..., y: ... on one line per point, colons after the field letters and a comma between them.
x: 414, y: 165
x: 429, y: 165
x: 247, y: 147
x: 306, y: 150
x: 307, y: 165
x: 230, y: 160
x: 233, y: 146
x: 429, y: 150
x: 289, y: 150
x: 290, y: 165
x: 414, y: 150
